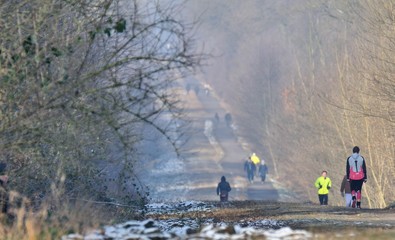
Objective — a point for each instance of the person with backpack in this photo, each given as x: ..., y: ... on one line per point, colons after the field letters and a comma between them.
x: 256, y: 160
x: 323, y: 184
x: 356, y: 175
x: 223, y: 189
x: 263, y: 170
x: 249, y: 168
x: 345, y: 191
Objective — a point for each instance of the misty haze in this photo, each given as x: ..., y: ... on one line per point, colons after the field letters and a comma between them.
x: 212, y: 119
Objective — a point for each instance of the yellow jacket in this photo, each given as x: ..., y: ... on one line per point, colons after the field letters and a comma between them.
x: 323, y: 185
x: 255, y: 159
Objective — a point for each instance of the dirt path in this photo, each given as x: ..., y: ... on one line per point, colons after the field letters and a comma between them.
x: 227, y: 156
x: 325, y: 222
x: 213, y: 150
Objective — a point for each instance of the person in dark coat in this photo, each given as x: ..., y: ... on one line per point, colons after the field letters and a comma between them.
x: 223, y: 189
x: 250, y: 168
x: 228, y: 119
x: 262, y: 171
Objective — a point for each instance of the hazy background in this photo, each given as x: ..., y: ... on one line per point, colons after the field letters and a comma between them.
x: 307, y: 81
x: 91, y: 92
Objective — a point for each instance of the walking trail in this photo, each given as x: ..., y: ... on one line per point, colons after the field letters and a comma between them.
x: 213, y: 150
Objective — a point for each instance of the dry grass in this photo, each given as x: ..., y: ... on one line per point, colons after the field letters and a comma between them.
x: 82, y: 216
x: 51, y: 221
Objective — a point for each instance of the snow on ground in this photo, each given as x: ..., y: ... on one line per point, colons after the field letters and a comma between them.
x: 191, y: 228
x: 186, y: 229
x: 180, y: 207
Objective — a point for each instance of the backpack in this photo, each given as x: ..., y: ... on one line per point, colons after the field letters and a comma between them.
x: 358, y: 174
x: 223, y: 194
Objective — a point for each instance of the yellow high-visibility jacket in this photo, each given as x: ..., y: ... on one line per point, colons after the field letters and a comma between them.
x: 255, y: 159
x: 323, y: 185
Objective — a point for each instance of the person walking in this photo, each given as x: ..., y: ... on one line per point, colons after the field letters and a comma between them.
x: 4, y: 199
x: 356, y: 175
x: 256, y: 160
x: 263, y: 170
x: 323, y: 184
x: 188, y: 88
x: 216, y: 117
x: 345, y: 191
x: 223, y: 189
x: 228, y: 119
x: 249, y: 168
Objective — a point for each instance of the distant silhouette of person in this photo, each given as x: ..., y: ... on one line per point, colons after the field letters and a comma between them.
x: 356, y: 175
x: 188, y: 88
x: 228, y: 119
x: 223, y: 189
x: 3, y: 188
x: 206, y: 89
x: 255, y: 159
x: 216, y: 117
x: 345, y: 191
x: 249, y: 168
x: 263, y: 170
x: 323, y: 184
x: 197, y: 90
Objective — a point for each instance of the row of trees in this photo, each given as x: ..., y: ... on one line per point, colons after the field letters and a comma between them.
x: 315, y: 78
x: 78, y: 81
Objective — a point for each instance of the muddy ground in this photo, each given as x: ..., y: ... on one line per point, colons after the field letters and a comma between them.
x: 326, y: 222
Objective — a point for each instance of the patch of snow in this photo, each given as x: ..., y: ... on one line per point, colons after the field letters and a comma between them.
x: 287, y: 233
x: 188, y: 229
x: 180, y: 207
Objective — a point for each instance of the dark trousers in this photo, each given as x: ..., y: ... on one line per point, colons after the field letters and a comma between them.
x: 263, y: 177
x: 3, y: 200
x: 356, y: 190
x: 323, y: 199
x: 223, y: 196
x: 250, y: 175
x: 356, y: 185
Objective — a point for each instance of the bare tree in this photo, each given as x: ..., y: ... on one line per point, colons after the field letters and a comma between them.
x: 375, y: 105
x: 78, y: 80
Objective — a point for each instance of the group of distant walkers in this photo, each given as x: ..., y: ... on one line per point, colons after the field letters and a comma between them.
x: 251, y: 165
x: 255, y: 166
x: 227, y: 118
x: 351, y: 186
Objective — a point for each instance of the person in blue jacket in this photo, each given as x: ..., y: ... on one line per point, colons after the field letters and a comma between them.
x: 263, y: 170
x: 250, y: 168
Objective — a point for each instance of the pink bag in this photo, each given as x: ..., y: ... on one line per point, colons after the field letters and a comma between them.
x: 356, y: 175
